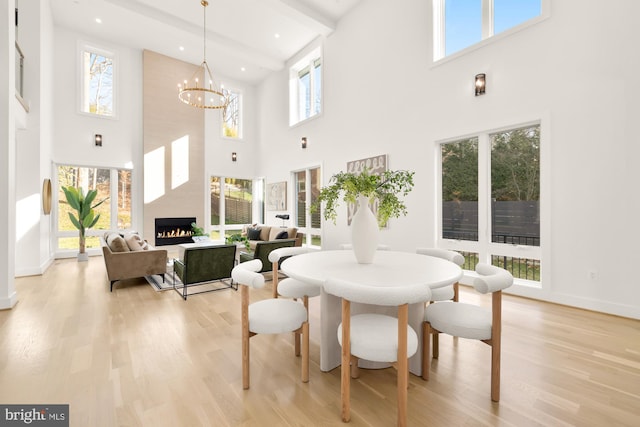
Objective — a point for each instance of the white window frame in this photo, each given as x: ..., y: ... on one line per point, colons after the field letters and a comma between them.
x: 240, y: 95
x: 309, y: 61
x: 484, y: 247
x: 113, y: 206
x: 257, y: 205
x: 90, y: 47
x: 488, y: 36
x: 308, y: 231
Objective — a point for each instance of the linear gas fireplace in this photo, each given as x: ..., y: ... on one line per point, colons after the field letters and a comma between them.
x: 173, y: 231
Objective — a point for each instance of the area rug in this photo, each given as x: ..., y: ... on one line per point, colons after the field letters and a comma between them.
x: 158, y: 285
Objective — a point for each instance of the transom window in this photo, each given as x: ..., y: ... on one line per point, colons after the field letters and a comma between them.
x: 305, y: 87
x: 97, y: 82
x: 232, y: 116
x: 459, y: 24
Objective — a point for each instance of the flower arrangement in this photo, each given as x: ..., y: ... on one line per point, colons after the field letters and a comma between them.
x: 386, y: 188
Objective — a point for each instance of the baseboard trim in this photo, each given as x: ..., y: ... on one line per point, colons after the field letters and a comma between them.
x: 10, y: 302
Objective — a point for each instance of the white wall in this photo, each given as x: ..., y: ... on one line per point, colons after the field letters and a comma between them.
x: 34, y: 142
x: 575, y: 71
x: 74, y: 131
x: 8, y: 296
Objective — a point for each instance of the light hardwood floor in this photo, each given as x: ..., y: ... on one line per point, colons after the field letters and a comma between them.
x: 136, y: 357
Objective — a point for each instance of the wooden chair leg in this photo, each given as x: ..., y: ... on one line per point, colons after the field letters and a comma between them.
x: 436, y: 344
x: 305, y: 352
x: 426, y: 350
x: 296, y: 343
x: 274, y: 280
x: 456, y: 291
x: 355, y: 369
x: 496, y: 339
x: 245, y: 337
x: 403, y: 362
x: 345, y: 380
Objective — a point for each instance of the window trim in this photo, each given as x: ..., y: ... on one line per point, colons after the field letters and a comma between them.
x: 257, y: 205
x: 307, y: 61
x: 309, y: 231
x: 488, y: 37
x: 113, y: 188
x: 484, y: 246
x: 84, y: 46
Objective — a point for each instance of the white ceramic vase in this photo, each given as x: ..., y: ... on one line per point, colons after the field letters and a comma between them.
x: 83, y: 256
x: 364, y: 232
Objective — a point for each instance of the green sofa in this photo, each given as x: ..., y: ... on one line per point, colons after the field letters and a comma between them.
x: 204, y: 264
x: 262, y: 250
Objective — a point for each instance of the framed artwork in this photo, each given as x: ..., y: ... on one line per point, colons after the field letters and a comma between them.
x: 277, y: 196
x: 376, y: 166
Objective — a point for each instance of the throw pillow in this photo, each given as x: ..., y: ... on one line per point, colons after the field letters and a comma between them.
x: 117, y: 243
x: 135, y: 242
x: 253, y: 234
x: 282, y: 235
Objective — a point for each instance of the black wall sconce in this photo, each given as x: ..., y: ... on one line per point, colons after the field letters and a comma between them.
x: 234, y: 156
x: 481, y: 84
x: 304, y: 142
x: 98, y: 140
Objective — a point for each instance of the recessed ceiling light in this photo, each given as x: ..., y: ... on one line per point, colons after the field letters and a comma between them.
x: 181, y: 48
x: 243, y: 69
x: 276, y: 35
x: 99, y: 21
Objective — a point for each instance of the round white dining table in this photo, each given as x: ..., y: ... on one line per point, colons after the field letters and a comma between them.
x: 389, y: 268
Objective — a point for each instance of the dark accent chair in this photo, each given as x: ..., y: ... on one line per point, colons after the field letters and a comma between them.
x: 262, y: 251
x: 205, y: 264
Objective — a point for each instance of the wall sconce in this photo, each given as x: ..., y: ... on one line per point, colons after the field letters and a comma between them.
x: 304, y: 142
x: 481, y: 84
x: 234, y: 156
x: 98, y: 140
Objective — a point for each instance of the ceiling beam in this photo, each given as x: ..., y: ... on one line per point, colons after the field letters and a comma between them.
x: 306, y: 15
x: 232, y: 47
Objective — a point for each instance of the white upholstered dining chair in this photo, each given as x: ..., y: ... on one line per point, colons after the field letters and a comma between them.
x: 290, y: 287
x: 471, y: 321
x: 376, y: 337
x: 448, y: 292
x: 270, y: 316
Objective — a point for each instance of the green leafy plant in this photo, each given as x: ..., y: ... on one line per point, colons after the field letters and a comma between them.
x: 85, y: 216
x: 196, y: 231
x: 386, y: 188
x: 237, y: 238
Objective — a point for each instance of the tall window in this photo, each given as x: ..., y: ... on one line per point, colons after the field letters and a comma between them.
x: 307, y: 184
x: 459, y: 24
x: 305, y: 86
x: 490, y: 200
x: 97, y: 82
x: 113, y: 186
x: 232, y: 116
x: 232, y: 204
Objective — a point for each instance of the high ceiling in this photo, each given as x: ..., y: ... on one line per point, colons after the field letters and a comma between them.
x: 255, y: 35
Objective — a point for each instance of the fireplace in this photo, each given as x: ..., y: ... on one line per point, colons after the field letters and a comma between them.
x: 173, y: 231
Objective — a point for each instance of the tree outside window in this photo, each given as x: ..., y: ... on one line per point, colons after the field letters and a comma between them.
x: 98, y: 83
x: 231, y: 118
x: 490, y: 200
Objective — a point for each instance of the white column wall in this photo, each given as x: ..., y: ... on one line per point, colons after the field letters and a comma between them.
x: 33, y: 143
x: 8, y: 296
x: 384, y: 95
